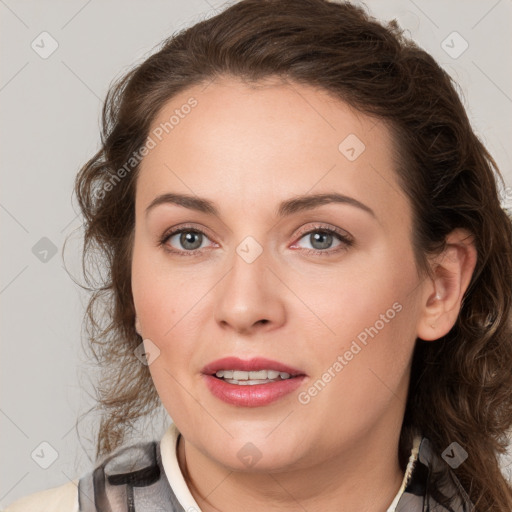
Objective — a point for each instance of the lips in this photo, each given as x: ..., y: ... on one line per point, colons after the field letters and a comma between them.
x: 254, y: 364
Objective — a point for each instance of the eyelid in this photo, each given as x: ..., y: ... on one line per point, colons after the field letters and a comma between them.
x: 326, y: 227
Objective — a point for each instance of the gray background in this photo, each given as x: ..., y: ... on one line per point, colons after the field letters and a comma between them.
x: 50, y: 127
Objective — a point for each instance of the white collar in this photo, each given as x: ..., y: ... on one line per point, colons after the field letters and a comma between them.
x: 169, y: 446
x: 408, y: 471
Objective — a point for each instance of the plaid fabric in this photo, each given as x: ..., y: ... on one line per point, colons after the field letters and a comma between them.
x: 418, y: 495
x: 133, y: 480
x: 130, y: 480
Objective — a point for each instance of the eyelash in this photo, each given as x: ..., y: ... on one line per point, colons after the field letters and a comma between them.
x: 345, y: 240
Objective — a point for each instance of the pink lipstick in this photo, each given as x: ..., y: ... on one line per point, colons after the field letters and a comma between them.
x: 237, y: 381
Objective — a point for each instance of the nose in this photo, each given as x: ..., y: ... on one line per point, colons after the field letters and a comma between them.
x: 250, y: 298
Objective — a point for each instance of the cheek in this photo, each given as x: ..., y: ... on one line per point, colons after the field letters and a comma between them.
x: 163, y: 298
x: 369, y: 319
x: 364, y: 374
x: 361, y: 298
x: 169, y: 307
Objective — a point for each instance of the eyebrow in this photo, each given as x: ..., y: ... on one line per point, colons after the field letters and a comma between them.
x: 286, y: 208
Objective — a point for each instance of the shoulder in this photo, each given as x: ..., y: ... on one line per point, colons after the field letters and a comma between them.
x: 140, y: 473
x: 63, y: 498
x: 432, y: 485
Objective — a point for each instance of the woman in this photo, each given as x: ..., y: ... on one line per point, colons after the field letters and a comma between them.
x: 308, y: 267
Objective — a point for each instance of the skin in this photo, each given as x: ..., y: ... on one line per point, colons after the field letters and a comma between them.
x: 246, y: 149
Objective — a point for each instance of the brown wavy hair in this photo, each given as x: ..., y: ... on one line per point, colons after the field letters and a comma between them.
x: 461, y: 384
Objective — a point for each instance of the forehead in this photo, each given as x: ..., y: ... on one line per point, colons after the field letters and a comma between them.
x: 252, y: 143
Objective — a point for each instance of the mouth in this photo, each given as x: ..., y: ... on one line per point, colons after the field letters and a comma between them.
x: 255, y: 382
x: 251, y: 372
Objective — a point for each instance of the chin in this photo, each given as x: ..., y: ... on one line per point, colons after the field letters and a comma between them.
x: 261, y: 456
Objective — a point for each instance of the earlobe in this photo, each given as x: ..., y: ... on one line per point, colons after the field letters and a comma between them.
x: 137, y: 326
x: 452, y: 271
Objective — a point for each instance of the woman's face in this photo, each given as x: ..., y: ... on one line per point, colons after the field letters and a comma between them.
x: 326, y: 287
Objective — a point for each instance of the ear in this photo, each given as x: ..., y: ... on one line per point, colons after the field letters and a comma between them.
x: 442, y: 298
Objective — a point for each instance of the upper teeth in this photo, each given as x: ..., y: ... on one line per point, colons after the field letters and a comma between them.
x: 260, y: 374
